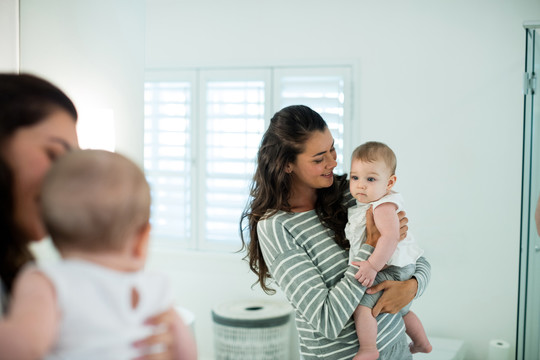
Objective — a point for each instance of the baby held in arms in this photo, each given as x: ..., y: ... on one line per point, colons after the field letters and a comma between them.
x: 93, y: 303
x: 372, y: 178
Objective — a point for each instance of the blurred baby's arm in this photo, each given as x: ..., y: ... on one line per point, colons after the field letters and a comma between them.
x: 186, y: 347
x: 30, y: 327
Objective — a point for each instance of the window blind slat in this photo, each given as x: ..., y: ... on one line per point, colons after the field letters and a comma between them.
x: 234, y: 127
x: 324, y: 94
x: 167, y: 160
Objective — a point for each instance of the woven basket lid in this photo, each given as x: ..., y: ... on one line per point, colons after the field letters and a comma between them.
x: 252, y: 313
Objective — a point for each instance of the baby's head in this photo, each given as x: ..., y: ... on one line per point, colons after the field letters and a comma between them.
x: 373, y: 168
x: 95, y: 201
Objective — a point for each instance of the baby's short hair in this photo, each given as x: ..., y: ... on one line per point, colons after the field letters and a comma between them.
x: 374, y: 151
x: 92, y: 200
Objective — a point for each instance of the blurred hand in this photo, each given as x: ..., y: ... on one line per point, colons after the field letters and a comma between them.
x: 164, y: 339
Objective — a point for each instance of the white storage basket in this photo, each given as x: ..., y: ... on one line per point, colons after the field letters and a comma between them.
x: 252, y: 330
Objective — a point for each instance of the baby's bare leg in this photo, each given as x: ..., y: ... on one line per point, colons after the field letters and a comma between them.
x: 366, y: 329
x: 415, y: 330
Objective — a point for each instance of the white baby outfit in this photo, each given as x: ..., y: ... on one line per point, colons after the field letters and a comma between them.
x: 407, y: 251
x: 95, y: 303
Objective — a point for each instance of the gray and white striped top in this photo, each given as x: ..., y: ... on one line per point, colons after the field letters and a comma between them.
x: 313, y: 272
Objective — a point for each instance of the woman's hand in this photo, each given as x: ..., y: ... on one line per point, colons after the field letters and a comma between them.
x: 403, y: 228
x: 373, y: 234
x: 176, y: 339
x: 165, y: 339
x: 396, y: 295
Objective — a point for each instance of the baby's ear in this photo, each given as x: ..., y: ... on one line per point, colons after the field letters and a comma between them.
x: 141, y: 240
x: 391, y: 182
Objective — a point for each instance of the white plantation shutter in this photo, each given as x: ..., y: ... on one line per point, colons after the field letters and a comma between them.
x: 235, y: 121
x: 325, y: 90
x: 202, y: 132
x: 167, y: 157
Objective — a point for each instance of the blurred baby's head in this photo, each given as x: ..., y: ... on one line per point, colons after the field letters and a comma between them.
x: 94, y: 200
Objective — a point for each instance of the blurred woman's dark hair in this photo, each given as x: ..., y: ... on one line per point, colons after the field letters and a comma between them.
x: 25, y: 100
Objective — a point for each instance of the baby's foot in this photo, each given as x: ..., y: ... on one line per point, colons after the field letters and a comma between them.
x: 367, y: 354
x: 418, y: 347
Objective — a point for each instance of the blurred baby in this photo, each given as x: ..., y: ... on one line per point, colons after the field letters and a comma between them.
x: 92, y: 304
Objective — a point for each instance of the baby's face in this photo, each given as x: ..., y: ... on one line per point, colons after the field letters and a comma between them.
x: 370, y: 181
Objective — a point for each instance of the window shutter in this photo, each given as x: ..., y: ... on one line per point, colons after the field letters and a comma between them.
x: 235, y: 122
x: 202, y: 133
x: 167, y: 157
x: 323, y: 90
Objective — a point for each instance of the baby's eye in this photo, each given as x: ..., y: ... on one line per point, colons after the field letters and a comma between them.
x: 355, y: 178
x: 370, y: 179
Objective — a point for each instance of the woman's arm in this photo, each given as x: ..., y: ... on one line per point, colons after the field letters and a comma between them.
x: 30, y: 328
x: 326, y: 308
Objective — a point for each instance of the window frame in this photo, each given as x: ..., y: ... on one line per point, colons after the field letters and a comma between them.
x: 198, y: 77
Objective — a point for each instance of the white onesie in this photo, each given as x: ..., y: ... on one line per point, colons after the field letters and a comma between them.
x: 407, y: 251
x: 95, y: 303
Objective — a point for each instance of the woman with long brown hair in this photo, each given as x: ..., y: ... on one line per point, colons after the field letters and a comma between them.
x: 295, y: 236
x: 38, y: 125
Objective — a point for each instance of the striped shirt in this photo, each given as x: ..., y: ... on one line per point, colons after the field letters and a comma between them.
x: 313, y: 272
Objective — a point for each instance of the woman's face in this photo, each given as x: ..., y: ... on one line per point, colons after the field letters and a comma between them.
x: 313, y: 168
x: 30, y: 152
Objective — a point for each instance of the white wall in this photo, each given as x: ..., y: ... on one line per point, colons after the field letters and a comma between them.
x: 93, y: 50
x: 9, y: 35
x: 445, y: 76
x: 203, y: 280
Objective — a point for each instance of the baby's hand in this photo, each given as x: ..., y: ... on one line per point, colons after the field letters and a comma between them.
x: 366, y: 273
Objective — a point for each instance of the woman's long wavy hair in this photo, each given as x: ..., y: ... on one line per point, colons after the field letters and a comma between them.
x: 25, y: 100
x: 285, y: 138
